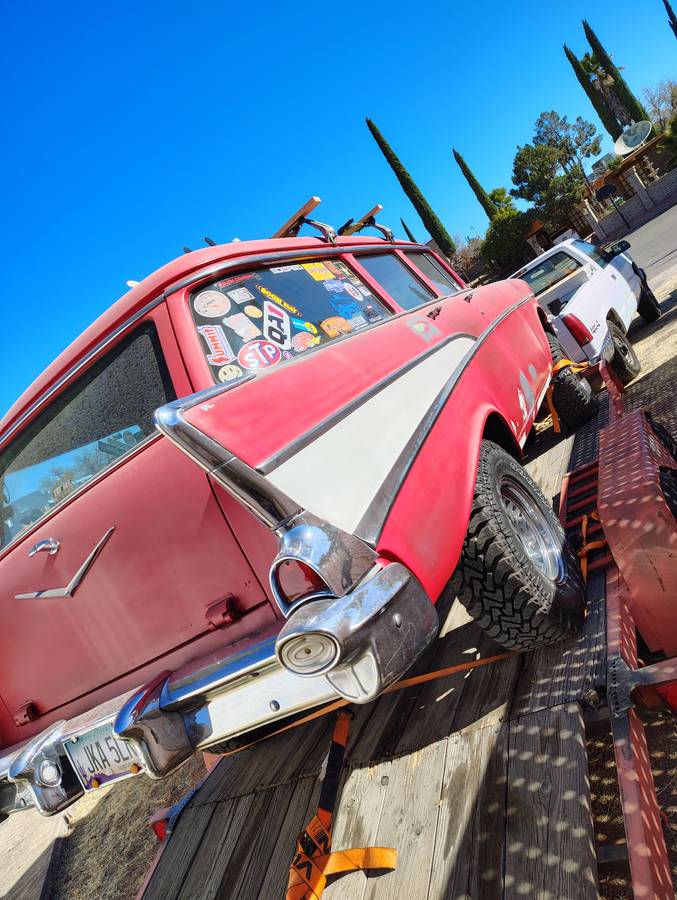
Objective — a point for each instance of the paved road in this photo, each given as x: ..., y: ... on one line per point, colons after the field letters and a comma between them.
x: 654, y: 247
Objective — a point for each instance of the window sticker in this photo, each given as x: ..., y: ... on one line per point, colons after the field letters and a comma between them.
x: 236, y: 279
x: 300, y: 325
x: 243, y: 327
x: 333, y: 285
x: 364, y: 291
x: 229, y: 372
x: 304, y: 341
x: 220, y: 351
x: 335, y: 326
x: 318, y: 271
x: 280, y: 270
x: 357, y: 322
x: 341, y: 269
x: 241, y: 295
x: 345, y: 306
x: 352, y: 290
x: 280, y: 302
x: 253, y: 312
x: 211, y: 304
x: 259, y: 355
x: 276, y: 325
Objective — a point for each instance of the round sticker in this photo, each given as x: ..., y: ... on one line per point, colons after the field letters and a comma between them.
x: 253, y: 312
x: 352, y: 290
x: 211, y: 304
x: 259, y: 355
x: 303, y: 341
x: 229, y: 372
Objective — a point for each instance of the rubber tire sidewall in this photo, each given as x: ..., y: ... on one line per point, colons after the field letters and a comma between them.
x: 625, y: 372
x: 572, y: 396
x: 648, y: 306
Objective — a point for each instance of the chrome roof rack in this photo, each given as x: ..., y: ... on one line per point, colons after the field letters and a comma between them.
x: 293, y: 225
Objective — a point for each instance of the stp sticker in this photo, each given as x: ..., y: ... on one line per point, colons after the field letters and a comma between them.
x: 243, y: 327
x: 352, y: 290
x: 318, y: 271
x: 229, y: 373
x: 280, y: 302
x: 259, y: 355
x: 300, y: 325
x: 241, y: 295
x: 211, y: 304
x: 335, y: 325
x: 364, y: 291
x: 220, y: 350
x: 276, y: 325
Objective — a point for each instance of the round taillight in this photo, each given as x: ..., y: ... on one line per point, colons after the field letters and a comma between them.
x: 295, y: 580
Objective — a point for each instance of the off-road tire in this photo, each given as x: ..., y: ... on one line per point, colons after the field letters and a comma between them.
x: 648, y: 306
x: 625, y: 362
x: 572, y: 396
x: 512, y: 600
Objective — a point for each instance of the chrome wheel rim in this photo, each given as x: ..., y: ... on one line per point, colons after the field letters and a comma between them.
x: 626, y: 349
x: 540, y: 539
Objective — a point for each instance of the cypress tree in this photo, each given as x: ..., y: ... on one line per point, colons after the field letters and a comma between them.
x: 478, y: 190
x: 606, y: 117
x: 628, y: 100
x: 433, y: 225
x: 408, y: 233
x: 672, y: 18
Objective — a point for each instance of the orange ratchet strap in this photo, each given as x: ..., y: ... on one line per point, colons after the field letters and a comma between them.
x: 313, y: 862
x: 562, y: 364
x: 592, y: 545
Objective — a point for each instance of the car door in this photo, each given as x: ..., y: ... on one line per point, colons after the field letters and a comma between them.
x: 116, y: 553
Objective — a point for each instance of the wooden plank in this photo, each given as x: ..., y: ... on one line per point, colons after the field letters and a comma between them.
x: 470, y: 838
x: 408, y: 822
x: 179, y: 853
x: 304, y: 211
x: 567, y: 671
x: 549, y: 837
x: 356, y: 823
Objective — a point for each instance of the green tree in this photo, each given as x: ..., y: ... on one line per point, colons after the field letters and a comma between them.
x: 477, y: 188
x: 535, y: 178
x: 669, y: 142
x: 408, y: 233
x: 630, y: 103
x: 605, y: 114
x: 672, y: 18
x: 505, y: 243
x: 433, y: 225
x: 501, y: 198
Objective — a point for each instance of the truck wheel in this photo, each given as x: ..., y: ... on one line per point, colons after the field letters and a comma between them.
x: 648, y: 306
x: 572, y: 396
x: 624, y: 361
x: 517, y: 576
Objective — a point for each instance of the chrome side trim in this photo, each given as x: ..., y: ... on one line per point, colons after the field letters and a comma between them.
x: 76, y: 580
x: 84, y: 361
x: 370, y: 526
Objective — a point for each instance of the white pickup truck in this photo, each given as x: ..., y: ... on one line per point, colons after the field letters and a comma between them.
x: 593, y: 295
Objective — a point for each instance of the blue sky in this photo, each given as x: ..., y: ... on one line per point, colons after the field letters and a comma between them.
x: 133, y: 129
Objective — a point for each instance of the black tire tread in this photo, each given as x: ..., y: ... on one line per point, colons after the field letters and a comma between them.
x: 572, y: 398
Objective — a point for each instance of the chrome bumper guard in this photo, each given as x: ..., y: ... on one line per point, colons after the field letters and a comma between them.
x: 376, y: 631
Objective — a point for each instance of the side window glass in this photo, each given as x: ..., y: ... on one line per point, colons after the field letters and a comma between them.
x: 398, y: 280
x: 258, y: 319
x: 434, y: 272
x: 99, y: 418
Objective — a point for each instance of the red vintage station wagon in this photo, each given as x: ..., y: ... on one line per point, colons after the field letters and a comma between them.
x: 240, y: 493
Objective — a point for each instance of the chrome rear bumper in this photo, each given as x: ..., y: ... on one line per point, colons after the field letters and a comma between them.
x: 377, y: 631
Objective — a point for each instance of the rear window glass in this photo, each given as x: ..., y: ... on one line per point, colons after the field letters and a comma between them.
x: 592, y: 251
x: 546, y: 274
x: 257, y: 319
x: 434, y: 272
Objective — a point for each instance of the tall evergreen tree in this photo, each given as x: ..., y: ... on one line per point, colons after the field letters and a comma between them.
x: 408, y: 233
x: 477, y: 188
x: 433, y: 225
x: 672, y: 18
x: 606, y: 117
x: 628, y: 100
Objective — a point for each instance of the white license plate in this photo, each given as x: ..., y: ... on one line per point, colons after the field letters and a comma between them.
x: 99, y: 757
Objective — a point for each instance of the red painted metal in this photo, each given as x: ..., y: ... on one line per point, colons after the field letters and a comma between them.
x: 639, y: 525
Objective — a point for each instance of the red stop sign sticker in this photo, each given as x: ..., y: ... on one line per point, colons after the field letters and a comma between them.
x: 259, y: 355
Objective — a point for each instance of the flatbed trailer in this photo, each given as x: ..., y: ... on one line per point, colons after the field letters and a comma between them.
x: 478, y: 779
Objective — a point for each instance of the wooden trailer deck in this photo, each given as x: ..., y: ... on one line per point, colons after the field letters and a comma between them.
x: 479, y: 780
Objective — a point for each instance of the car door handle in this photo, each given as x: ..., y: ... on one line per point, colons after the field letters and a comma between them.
x: 49, y: 545
x: 75, y: 581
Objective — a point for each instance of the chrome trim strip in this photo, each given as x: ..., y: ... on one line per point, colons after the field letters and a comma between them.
x: 69, y: 373
x: 257, y: 258
x: 76, y: 580
x: 325, y: 425
x: 372, y: 522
